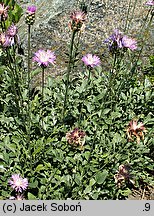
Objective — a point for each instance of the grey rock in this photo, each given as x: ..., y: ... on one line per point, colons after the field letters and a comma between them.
x: 51, y: 31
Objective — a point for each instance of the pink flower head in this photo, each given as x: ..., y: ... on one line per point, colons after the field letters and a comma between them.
x: 3, y: 12
x: 133, y: 126
x: 12, y: 30
x: 91, y: 60
x: 18, y: 183
x: 31, y: 9
x: 77, y: 22
x: 43, y: 58
x: 5, y: 40
x: 78, y: 16
x: 129, y: 43
x: 150, y: 3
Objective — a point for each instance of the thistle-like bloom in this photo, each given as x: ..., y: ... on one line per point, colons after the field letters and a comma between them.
x: 30, y: 18
x: 150, y: 3
x: 12, y: 31
x: 31, y: 9
x: 76, y: 137
x: 43, y: 58
x: 123, y: 175
x: 129, y: 43
x: 18, y: 183
x: 114, y: 41
x: 91, y: 60
x: 78, y: 18
x: 5, y: 40
x: 136, y: 130
x: 119, y: 41
x: 3, y: 12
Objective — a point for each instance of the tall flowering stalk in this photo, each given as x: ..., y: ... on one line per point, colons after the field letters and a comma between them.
x: 118, y: 44
x: 30, y: 19
x: 76, y: 25
x: 91, y: 61
x: 9, y: 40
x: 44, y: 58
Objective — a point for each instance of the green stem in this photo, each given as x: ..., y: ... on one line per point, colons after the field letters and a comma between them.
x: 84, y: 97
x: 18, y: 80
x: 42, y: 98
x: 69, y: 67
x: 29, y: 109
x: 29, y: 57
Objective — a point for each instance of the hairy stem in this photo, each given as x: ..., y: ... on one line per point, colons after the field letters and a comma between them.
x: 29, y: 108
x: 69, y: 68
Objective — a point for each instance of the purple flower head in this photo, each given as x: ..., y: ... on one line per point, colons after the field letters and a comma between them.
x: 3, y: 12
x: 91, y: 60
x: 129, y: 43
x: 117, y: 37
x: 18, y: 183
x: 119, y: 41
x: 115, y: 40
x: 31, y: 9
x: 12, y: 30
x: 43, y: 58
x: 5, y: 40
x: 150, y: 3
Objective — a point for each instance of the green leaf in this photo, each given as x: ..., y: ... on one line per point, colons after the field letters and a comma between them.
x: 92, y: 182
x: 124, y: 97
x: 106, y: 111
x: 87, y: 155
x: 39, y: 167
x: 1, y: 156
x: 31, y: 196
x: 78, y: 179
x: 95, y: 195
x: 101, y: 176
x: 33, y: 184
x: 11, y: 147
x: 126, y: 192
x: 88, y: 189
x: 2, y: 169
x: 117, y: 138
x: 16, y: 13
